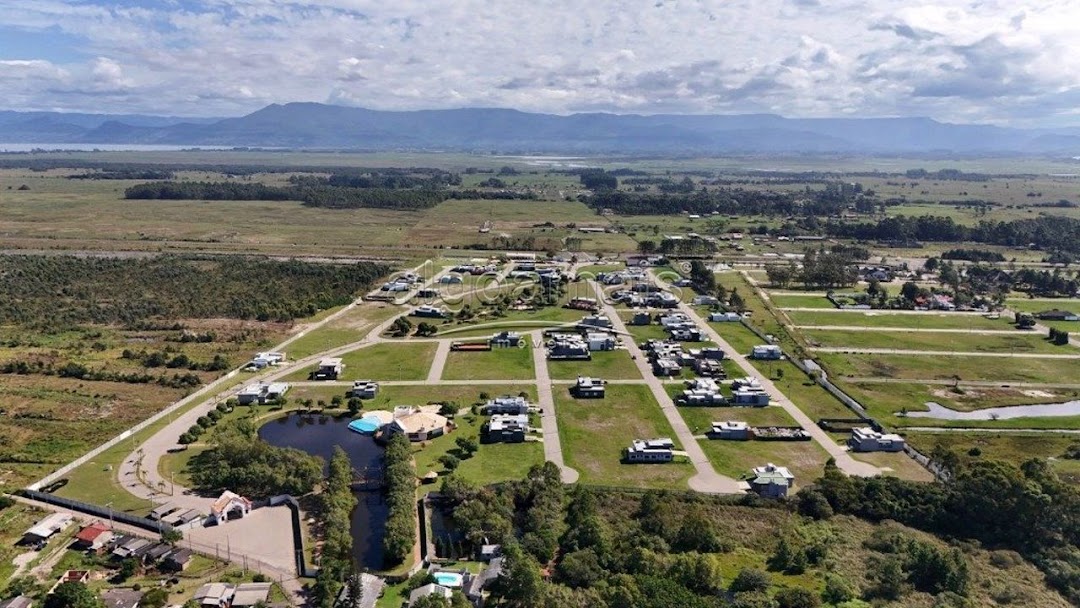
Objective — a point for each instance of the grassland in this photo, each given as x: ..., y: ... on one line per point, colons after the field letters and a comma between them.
x: 975, y: 343
x: 596, y: 432
x: 896, y: 464
x: 885, y: 320
x: 800, y: 301
x: 806, y: 459
x: 1012, y: 447
x: 384, y: 361
x: 609, y: 365
x: 919, y: 367
x: 350, y: 327
x: 496, y: 364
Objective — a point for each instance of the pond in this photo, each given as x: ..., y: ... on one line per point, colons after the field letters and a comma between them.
x: 1043, y: 410
x: 317, y: 435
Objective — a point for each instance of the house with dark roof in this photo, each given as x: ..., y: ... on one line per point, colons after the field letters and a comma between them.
x: 121, y: 598
x: 1057, y: 315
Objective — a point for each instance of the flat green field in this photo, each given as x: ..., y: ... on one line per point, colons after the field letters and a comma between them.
x: 608, y: 365
x: 595, y: 432
x: 496, y: 364
x: 700, y: 419
x: 896, y: 464
x: 346, y: 329
x: 492, y: 463
x: 800, y: 301
x: 741, y: 339
x: 386, y: 361
x: 806, y: 459
x: 918, y: 367
x: 883, y: 319
x: 900, y: 340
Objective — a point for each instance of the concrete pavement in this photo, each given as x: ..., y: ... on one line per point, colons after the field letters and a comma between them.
x: 548, y: 422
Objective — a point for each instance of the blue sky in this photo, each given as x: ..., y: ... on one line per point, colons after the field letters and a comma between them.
x: 1004, y: 62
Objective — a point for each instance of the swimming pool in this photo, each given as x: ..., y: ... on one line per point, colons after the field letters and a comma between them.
x: 448, y: 579
x: 365, y: 426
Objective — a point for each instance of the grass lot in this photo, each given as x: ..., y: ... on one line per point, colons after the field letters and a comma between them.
x: 1012, y: 447
x: 883, y: 319
x: 608, y: 365
x: 700, y: 419
x: 496, y: 364
x: 1020, y: 343
x: 808, y: 395
x: 918, y: 367
x: 642, y: 333
x: 346, y: 329
x: 494, y: 462
x: 800, y: 301
x: 740, y: 338
x: 385, y: 361
x: 595, y: 432
x: 13, y: 522
x: 806, y: 459
x: 895, y: 464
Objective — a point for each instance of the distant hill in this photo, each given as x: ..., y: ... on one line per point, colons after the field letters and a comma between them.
x: 312, y: 125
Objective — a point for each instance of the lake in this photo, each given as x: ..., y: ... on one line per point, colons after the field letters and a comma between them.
x: 1068, y: 408
x: 317, y: 435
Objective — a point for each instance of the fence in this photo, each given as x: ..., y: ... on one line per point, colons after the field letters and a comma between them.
x: 103, y: 512
x: 293, y: 505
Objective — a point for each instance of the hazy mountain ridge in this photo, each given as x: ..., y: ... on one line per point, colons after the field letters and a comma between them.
x: 312, y: 125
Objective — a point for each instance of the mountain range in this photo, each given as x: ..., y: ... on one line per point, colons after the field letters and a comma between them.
x: 321, y: 126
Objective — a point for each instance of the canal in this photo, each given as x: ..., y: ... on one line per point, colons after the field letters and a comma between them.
x: 317, y: 435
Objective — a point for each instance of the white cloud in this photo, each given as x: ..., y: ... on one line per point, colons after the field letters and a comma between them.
x: 987, y: 60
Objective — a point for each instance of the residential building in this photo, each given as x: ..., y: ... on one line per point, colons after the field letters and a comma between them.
x: 507, y: 405
x: 46, y: 528
x: 588, y: 388
x: 329, y: 369
x: 247, y: 595
x: 505, y: 339
x: 771, y: 481
x: 505, y: 428
x: 664, y: 366
x: 130, y: 547
x: 766, y: 352
x: 429, y: 589
x: 702, y: 397
x: 93, y: 537
x: 227, y: 504
x: 489, y: 552
x: 866, y: 439
x: 262, y: 360
x: 569, y: 347
x: 735, y: 430
x: 1057, y: 315
x: 589, y: 304
x: 475, y: 590
x: 364, y: 389
x: 429, y: 312
x: 662, y: 300
x: 214, y: 595
x: 688, y: 334
x: 599, y: 341
x: 704, y: 301
x: 160, y: 511
x: 178, y: 560
x: 713, y: 353
x: 450, y: 279
x: 651, y: 450
x: 725, y: 317
x: 708, y: 368
x: 260, y: 392
x: 71, y: 576
x: 156, y: 552
x: 183, y: 517
x: 641, y: 317
x: 596, y: 321
x: 121, y: 598
x: 417, y: 425
x: 753, y: 397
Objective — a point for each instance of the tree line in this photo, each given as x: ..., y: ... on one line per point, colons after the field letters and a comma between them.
x: 400, y: 478
x: 336, y: 502
x: 1046, y: 233
x: 59, y: 291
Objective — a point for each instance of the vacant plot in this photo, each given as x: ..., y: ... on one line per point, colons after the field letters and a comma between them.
x: 386, y: 361
x: 978, y: 343
x: 496, y: 364
x: 921, y: 367
x: 741, y: 339
x: 895, y: 464
x: 700, y: 419
x: 884, y: 319
x: 609, y: 365
x: 800, y: 301
x: 596, y: 432
x: 346, y: 329
x: 806, y: 459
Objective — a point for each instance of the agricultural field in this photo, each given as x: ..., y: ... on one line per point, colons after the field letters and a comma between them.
x: 496, y: 364
x: 596, y: 432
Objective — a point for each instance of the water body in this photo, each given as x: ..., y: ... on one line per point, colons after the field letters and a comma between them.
x: 62, y: 147
x: 1044, y: 410
x: 317, y: 435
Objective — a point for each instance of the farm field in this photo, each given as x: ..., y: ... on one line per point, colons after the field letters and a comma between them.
x: 595, y: 433
x: 976, y: 343
x: 496, y: 364
x: 884, y: 320
x: 608, y: 365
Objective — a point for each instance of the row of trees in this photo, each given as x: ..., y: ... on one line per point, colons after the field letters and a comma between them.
x: 337, y: 502
x: 820, y: 268
x: 400, y: 535
x: 79, y: 371
x: 175, y: 361
x: 59, y: 291
x: 1047, y: 233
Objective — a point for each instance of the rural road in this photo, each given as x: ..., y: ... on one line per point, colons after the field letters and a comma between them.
x: 843, y: 459
x: 943, y: 353
x: 706, y: 478
x: 545, y: 397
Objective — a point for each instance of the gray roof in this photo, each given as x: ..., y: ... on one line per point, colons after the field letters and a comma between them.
x: 19, y: 601
x: 121, y: 598
x: 249, y: 594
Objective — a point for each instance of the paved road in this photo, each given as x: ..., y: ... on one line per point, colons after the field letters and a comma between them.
x: 706, y: 478
x: 438, y: 364
x: 988, y: 332
x: 843, y: 459
x: 971, y: 383
x: 947, y: 353
x: 548, y: 422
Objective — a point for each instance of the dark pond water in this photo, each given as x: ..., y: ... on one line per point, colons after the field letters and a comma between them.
x: 318, y: 435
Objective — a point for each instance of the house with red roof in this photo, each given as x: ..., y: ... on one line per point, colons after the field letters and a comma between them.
x: 93, y: 537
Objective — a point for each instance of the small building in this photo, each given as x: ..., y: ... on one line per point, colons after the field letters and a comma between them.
x: 1057, y: 315
x: 121, y: 598
x: 651, y: 450
x: 429, y: 589
x: 505, y: 428
x: 724, y: 317
x: 752, y: 397
x: 589, y: 304
x: 708, y: 368
x: 505, y: 339
x: 664, y: 366
x: 266, y: 359
x: 247, y: 595
x: 71, y: 576
x: 489, y: 552
x: 417, y: 426
x: 19, y: 601
x: 429, y: 312
x: 866, y: 439
x: 596, y: 321
x: 364, y: 389
x: 178, y: 560
x: 477, y: 585
x: 771, y: 481
x: 734, y: 430
x: 588, y: 388
x: 451, y: 279
x: 227, y: 504
x: 766, y: 352
x: 161, y: 511
x: 704, y: 301
x: 181, y: 518
x: 702, y: 397
x: 641, y: 318
x: 156, y: 553
x: 329, y: 369
x: 572, y: 348
x: 130, y: 547
x: 507, y: 404
x: 46, y: 528
x: 599, y: 341
x: 713, y: 353
x: 214, y: 595
x: 260, y: 392
x: 93, y: 537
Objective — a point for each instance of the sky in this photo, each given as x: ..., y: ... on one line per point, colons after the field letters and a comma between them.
x: 1007, y: 62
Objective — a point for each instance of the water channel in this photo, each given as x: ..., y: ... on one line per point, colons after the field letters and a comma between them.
x: 1068, y: 408
x: 317, y: 435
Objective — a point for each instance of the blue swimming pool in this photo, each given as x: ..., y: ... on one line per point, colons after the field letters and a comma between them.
x: 365, y: 426
x: 448, y: 579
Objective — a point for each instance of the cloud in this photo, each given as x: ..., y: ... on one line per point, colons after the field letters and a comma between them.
x: 986, y: 60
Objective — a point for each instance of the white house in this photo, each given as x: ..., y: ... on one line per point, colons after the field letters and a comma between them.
x: 724, y: 317
x: 600, y: 341
x: 866, y: 439
x: 754, y: 397
x: 730, y: 429
x: 229, y: 502
x: 507, y: 405
x: 651, y: 450
x: 329, y: 368
x: 771, y: 481
x: 766, y: 352
x: 364, y: 389
x: 46, y: 528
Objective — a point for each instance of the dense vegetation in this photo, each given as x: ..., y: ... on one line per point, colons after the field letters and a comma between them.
x: 1045, y: 233
x: 401, y: 499
x: 1026, y: 509
x: 972, y: 255
x: 337, y: 503
x: 241, y: 462
x: 57, y: 291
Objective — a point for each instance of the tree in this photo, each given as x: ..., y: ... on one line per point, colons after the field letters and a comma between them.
x: 128, y: 568
x: 796, y: 597
x: 909, y: 291
x: 154, y: 598
x: 837, y: 590
x: 431, y: 601
x: 355, y: 404
x: 813, y: 504
x: 580, y: 569
x: 888, y: 579
x: 73, y: 595
x: 468, y: 445
x: 521, y: 584
x: 750, y: 580
x: 735, y: 301
x: 780, y: 276
x: 172, y: 536
x: 449, y: 461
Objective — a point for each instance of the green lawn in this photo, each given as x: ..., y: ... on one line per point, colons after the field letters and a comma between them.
x: 595, y: 432
x: 806, y: 459
x: 929, y: 320
x: 1019, y: 343
x: 895, y: 464
x: 384, y: 361
x: 1041, y: 304
x: 700, y: 419
x: 800, y: 301
x: 496, y: 364
x: 809, y: 396
x: 608, y: 365
x: 918, y: 367
x: 492, y: 463
x: 741, y: 339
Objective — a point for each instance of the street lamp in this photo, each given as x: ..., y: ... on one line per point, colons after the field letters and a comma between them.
x: 108, y: 506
